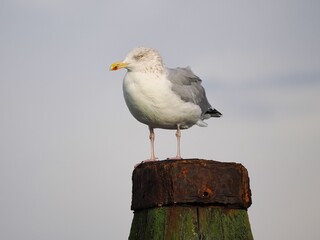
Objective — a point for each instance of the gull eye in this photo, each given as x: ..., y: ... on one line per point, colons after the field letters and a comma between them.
x: 138, y: 56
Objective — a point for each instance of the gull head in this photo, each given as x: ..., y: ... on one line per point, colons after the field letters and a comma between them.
x: 141, y: 59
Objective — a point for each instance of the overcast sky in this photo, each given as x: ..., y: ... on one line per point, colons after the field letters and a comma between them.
x: 68, y: 143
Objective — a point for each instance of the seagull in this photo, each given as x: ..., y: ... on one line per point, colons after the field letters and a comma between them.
x: 161, y: 97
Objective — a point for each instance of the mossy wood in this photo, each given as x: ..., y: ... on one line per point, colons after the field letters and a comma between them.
x: 190, y: 199
x: 190, y: 223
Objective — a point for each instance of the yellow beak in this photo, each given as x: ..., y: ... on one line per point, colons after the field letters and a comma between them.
x: 118, y: 65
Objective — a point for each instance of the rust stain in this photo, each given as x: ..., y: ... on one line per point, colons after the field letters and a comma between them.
x: 184, y: 172
x: 205, y: 192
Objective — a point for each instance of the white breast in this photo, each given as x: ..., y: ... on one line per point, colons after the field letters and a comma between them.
x: 152, y: 102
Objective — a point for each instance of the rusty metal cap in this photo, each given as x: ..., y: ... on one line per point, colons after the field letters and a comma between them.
x: 190, y: 182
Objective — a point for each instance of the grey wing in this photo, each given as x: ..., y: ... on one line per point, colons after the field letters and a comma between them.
x: 188, y: 86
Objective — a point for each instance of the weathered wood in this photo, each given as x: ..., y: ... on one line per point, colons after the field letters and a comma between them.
x: 190, y: 223
x: 190, y: 199
x: 190, y: 181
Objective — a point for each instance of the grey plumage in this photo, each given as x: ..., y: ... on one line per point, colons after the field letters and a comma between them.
x: 188, y: 86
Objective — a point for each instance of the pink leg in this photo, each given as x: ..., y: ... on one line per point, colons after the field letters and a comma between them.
x: 153, y: 157
x: 178, y: 135
x: 152, y: 137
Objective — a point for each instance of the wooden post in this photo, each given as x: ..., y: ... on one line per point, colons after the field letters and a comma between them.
x: 190, y: 199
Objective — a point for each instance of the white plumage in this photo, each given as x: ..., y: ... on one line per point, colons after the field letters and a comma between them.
x: 161, y: 97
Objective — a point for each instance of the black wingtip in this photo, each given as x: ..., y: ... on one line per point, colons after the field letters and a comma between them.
x: 214, y: 112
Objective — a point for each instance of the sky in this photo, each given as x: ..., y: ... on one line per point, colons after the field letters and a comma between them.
x: 68, y: 143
